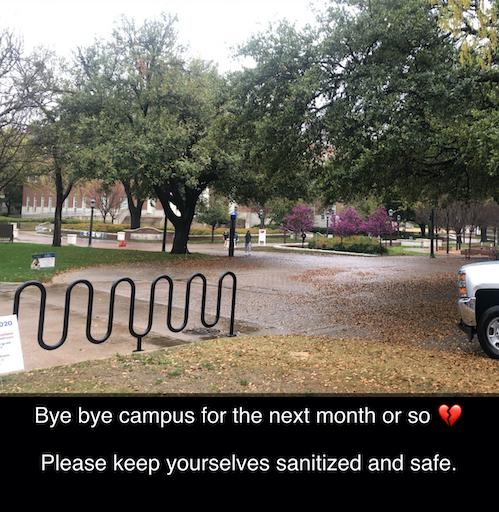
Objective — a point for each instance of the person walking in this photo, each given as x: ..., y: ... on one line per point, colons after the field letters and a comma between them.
x: 226, y: 239
x: 247, y: 243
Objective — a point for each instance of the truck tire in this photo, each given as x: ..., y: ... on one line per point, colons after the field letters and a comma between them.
x: 488, y: 332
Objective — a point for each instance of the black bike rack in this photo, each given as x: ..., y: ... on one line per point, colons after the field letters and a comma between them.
x: 133, y: 332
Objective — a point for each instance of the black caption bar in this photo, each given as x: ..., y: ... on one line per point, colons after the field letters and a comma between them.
x: 176, y: 440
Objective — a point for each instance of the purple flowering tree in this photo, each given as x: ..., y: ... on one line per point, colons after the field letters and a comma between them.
x: 379, y: 224
x: 350, y: 223
x: 300, y: 219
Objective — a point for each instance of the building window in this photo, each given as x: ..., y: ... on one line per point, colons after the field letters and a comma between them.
x: 50, y: 203
x: 27, y: 203
x: 74, y: 202
x: 83, y: 203
x: 34, y: 204
x: 66, y: 203
x: 42, y: 202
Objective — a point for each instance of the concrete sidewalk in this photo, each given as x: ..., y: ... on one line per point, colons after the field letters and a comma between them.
x: 77, y: 348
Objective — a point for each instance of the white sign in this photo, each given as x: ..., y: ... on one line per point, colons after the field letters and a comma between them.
x: 262, y: 237
x: 11, y: 354
x: 45, y: 260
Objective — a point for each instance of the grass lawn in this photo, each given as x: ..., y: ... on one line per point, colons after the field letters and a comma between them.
x: 15, y: 259
x: 271, y: 364
x: 406, y: 251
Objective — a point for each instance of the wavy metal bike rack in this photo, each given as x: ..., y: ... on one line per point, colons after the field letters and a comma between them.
x: 133, y: 332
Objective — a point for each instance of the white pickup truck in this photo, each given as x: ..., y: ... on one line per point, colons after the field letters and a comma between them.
x: 479, y: 304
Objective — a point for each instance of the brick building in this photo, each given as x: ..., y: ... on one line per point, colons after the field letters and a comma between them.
x: 38, y: 201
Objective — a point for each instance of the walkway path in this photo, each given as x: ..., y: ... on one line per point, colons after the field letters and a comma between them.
x: 406, y: 299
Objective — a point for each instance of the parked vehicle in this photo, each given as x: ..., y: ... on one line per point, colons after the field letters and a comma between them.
x: 479, y: 304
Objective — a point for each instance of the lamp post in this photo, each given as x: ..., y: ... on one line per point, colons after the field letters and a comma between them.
x: 399, y: 218
x: 432, y: 233
x: 336, y: 220
x: 92, y: 208
x: 390, y: 214
x: 232, y: 233
x: 328, y: 212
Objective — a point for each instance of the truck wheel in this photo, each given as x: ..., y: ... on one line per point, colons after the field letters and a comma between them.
x: 488, y: 332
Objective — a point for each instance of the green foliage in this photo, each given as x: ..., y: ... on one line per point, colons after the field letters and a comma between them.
x: 164, y: 119
x: 402, y: 116
x: 366, y: 205
x: 214, y: 212
x: 13, y: 196
x: 359, y: 244
x: 278, y: 208
x: 269, y: 106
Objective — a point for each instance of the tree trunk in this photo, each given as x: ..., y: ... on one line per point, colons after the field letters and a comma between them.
x: 422, y: 227
x: 57, y: 235
x: 135, y: 214
x: 483, y: 234
x: 181, y: 237
x: 134, y: 206
x: 447, y: 239
x: 213, y: 233
x: 60, y: 197
x: 186, y: 205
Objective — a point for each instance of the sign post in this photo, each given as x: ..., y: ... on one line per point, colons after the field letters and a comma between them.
x: 232, y: 234
x: 11, y: 354
x: 262, y: 237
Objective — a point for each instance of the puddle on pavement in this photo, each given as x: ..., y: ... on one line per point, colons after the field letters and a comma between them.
x: 163, y: 342
x: 206, y: 333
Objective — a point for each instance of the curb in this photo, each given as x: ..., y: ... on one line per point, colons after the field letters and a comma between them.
x: 323, y: 251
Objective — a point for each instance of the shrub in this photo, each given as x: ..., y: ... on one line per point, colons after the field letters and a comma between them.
x: 359, y: 244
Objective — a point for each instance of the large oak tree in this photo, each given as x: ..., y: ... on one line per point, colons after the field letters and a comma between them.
x: 164, y: 119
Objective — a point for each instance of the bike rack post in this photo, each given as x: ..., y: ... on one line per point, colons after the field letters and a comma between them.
x: 138, y: 335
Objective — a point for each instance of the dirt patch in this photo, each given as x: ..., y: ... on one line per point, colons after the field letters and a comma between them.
x: 276, y: 364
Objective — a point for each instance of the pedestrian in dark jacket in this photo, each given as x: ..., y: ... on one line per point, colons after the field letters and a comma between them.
x: 247, y: 242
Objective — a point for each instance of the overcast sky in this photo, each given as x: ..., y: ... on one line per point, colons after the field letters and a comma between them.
x: 209, y: 27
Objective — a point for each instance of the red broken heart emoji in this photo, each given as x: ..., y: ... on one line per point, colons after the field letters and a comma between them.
x: 450, y: 415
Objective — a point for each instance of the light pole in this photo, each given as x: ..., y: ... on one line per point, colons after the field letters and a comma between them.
x: 232, y: 233
x: 336, y: 220
x: 92, y: 207
x: 328, y: 213
x: 390, y: 214
x: 399, y: 218
x: 432, y: 233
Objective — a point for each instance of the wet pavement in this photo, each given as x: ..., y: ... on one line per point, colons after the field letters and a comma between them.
x: 400, y: 299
